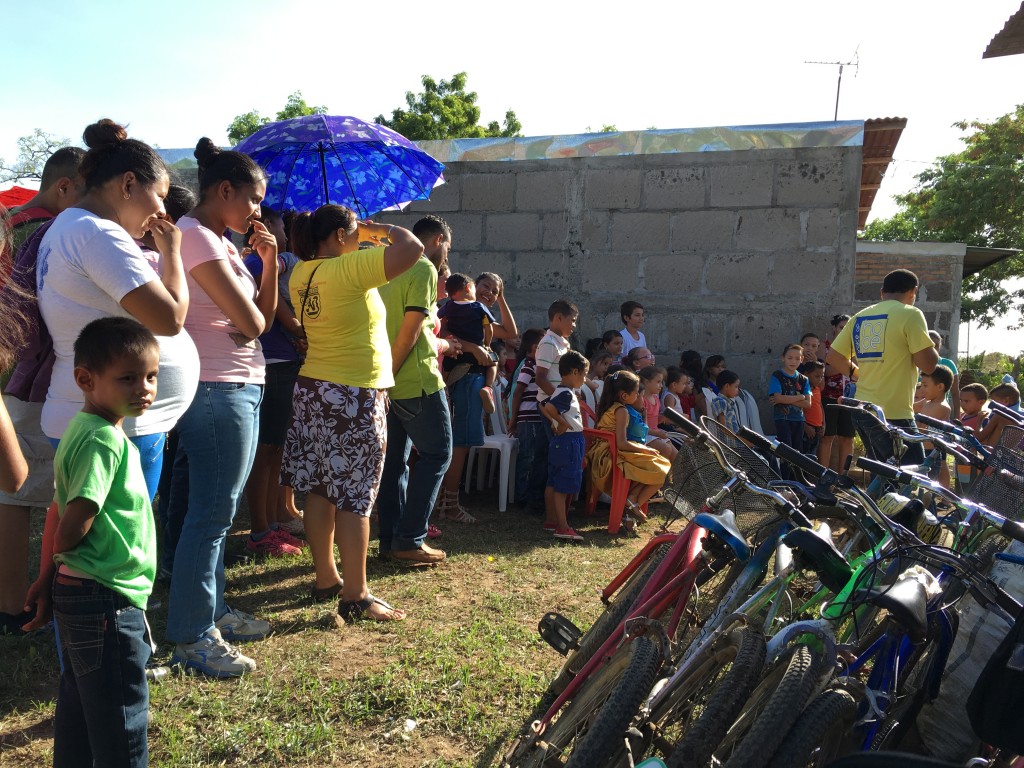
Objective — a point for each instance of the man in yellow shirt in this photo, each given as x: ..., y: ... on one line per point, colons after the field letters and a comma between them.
x: 890, y: 343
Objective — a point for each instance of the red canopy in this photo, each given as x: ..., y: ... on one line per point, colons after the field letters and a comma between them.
x: 15, y: 196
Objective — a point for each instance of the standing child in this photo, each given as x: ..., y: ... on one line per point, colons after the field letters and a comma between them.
x: 789, y: 392
x: 932, y: 391
x: 651, y: 382
x: 565, y: 452
x: 105, y: 548
x: 525, y: 422
x: 467, y: 319
x: 643, y: 466
x: 811, y: 345
x: 972, y: 406
x: 814, y: 417
x: 632, y: 313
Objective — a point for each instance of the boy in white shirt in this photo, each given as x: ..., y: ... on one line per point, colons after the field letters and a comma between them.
x: 632, y: 313
x: 567, y: 447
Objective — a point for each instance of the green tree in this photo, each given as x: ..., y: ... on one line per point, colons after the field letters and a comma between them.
x: 975, y: 196
x: 445, y: 110
x: 33, y: 152
x: 250, y: 122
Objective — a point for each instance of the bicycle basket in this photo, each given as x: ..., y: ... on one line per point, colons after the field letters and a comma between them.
x: 1002, y: 490
x: 751, y: 462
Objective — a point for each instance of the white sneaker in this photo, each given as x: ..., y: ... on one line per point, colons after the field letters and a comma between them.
x: 239, y: 626
x: 212, y: 656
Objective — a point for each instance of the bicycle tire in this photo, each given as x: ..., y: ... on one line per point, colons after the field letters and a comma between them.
x: 605, y: 624
x: 811, y: 742
x: 773, y: 707
x: 717, y: 697
x: 586, y: 729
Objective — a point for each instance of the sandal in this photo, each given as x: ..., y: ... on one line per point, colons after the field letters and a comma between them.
x: 454, y: 511
x: 635, y: 510
x: 358, y: 610
x: 318, y: 595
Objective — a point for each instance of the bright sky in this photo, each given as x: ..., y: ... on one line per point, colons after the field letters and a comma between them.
x: 175, y: 73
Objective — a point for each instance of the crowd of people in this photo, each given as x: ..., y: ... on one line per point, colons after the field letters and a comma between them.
x: 317, y: 356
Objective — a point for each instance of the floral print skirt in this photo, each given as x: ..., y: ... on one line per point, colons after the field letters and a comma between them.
x: 336, y: 443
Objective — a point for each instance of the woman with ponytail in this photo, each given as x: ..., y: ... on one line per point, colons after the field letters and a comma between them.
x: 334, y: 451
x: 218, y: 432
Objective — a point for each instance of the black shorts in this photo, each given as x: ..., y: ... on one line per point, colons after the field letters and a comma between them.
x: 837, y: 421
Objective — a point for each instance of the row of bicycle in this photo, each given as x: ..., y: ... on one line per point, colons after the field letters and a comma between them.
x: 789, y: 622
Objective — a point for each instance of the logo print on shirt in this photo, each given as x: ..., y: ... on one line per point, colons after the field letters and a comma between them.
x: 869, y: 336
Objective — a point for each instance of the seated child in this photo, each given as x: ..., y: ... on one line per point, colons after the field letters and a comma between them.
x: 643, y: 466
x: 611, y: 342
x: 467, y: 319
x: 725, y: 407
x: 972, y: 406
x: 1004, y: 394
x: 651, y: 379
x: 932, y: 402
x: 814, y: 417
x: 567, y: 446
x: 105, y: 550
x: 678, y: 393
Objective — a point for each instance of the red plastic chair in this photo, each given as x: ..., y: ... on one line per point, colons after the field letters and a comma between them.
x: 620, y: 485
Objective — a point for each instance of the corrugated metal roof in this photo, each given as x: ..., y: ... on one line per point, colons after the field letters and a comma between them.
x: 1010, y: 39
x: 880, y: 138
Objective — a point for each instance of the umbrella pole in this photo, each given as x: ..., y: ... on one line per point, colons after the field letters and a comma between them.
x: 323, y: 172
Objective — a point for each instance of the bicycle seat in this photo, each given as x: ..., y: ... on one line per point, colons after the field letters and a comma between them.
x: 823, y: 557
x: 723, y: 525
x: 906, y: 600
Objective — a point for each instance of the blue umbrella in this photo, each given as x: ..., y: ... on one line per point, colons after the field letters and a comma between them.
x: 318, y: 159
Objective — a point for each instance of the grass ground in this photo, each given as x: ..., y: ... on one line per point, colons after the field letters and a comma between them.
x: 447, y: 687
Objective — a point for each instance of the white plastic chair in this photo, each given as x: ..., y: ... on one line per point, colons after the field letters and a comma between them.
x: 506, y: 448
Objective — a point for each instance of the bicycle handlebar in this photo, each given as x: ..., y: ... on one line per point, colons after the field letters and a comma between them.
x: 939, y: 424
x: 1006, y: 412
x: 785, y: 452
x: 688, y: 427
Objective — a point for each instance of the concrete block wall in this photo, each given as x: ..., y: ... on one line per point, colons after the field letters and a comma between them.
x: 939, y: 268
x: 737, y: 253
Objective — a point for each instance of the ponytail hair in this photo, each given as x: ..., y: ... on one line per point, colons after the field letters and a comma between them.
x: 311, y: 229
x: 217, y: 165
x: 112, y: 154
x: 614, y: 385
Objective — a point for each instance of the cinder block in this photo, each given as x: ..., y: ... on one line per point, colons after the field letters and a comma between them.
x: 613, y: 189
x: 674, y: 189
x: 542, y: 190
x: 680, y: 337
x: 709, y: 333
x: 640, y: 231
x: 761, y: 333
x: 703, y: 231
x: 596, y: 231
x: 737, y: 273
x: 741, y: 185
x: 818, y: 183
x: 611, y: 272
x: 869, y: 292
x: 768, y: 229
x: 448, y: 196
x: 488, y: 191
x: 555, y: 229
x: 678, y: 273
x: 821, y: 227
x: 515, y: 231
x: 541, y: 271
x: 467, y: 230
x: 473, y: 263
x: 937, y: 291
x: 803, y: 272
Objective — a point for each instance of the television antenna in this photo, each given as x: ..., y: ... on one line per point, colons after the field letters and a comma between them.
x: 841, y: 64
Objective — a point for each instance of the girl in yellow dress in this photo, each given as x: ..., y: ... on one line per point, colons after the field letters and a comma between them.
x: 643, y: 466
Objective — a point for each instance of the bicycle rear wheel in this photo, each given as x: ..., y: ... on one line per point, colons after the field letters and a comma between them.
x: 821, y: 733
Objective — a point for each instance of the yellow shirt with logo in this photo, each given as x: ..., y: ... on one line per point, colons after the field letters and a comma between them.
x: 883, y: 338
x: 336, y: 301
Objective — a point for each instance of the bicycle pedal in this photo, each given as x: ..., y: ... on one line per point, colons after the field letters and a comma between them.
x: 560, y: 633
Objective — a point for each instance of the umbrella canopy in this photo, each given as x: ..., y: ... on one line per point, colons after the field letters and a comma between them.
x: 319, y: 159
x: 15, y: 196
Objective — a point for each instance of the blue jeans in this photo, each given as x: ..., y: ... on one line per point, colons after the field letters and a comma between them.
x: 218, y: 437
x: 172, y: 500
x: 103, y: 701
x: 539, y: 467
x: 151, y: 455
x: 404, y: 504
x: 792, y: 434
x: 530, y: 434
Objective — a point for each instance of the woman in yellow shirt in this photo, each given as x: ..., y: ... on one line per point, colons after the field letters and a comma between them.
x: 334, y: 451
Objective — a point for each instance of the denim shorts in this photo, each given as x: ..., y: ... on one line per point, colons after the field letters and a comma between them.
x: 468, y: 409
x: 565, y: 462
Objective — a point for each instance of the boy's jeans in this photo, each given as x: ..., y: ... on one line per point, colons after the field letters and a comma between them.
x: 103, y: 703
x: 218, y: 435
x: 403, y: 504
x: 530, y: 435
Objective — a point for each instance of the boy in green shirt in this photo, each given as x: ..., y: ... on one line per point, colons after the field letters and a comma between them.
x: 105, y: 550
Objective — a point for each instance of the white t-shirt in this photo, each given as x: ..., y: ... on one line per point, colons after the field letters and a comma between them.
x: 628, y: 342
x: 85, y: 266
x: 179, y: 377
x: 225, y: 354
x: 549, y: 351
